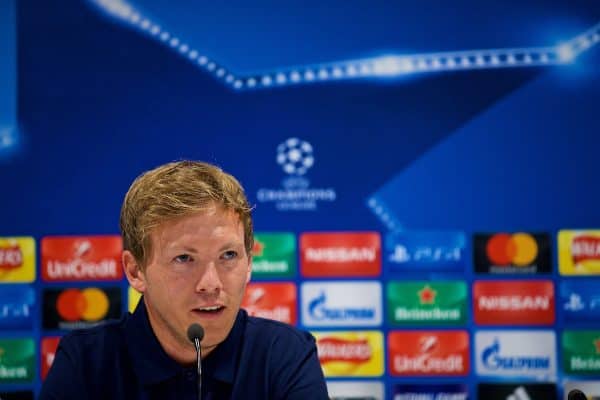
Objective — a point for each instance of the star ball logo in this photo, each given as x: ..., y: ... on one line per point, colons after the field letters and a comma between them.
x: 517, y: 253
x: 295, y: 157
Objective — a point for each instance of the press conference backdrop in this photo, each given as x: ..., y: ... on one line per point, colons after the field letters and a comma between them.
x: 424, y: 176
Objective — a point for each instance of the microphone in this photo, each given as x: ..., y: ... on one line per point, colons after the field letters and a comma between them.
x: 195, y: 333
x: 576, y: 394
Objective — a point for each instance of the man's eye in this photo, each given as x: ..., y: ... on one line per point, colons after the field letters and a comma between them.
x: 183, y: 258
x: 229, y: 255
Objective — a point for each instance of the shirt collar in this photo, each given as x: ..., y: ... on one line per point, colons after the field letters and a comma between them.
x: 152, y: 364
x: 223, y: 362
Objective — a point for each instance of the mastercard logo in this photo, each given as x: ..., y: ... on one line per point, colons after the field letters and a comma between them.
x: 519, y: 249
x: 89, y: 304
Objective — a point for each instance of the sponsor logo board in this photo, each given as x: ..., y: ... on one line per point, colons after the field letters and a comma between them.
x: 579, y: 252
x: 274, y: 255
x: 516, y: 391
x: 16, y: 307
x: 17, y: 259
x: 512, y: 253
x: 350, y: 353
x: 341, y: 304
x: 48, y: 348
x: 355, y: 390
x: 581, y: 352
x: 425, y: 251
x: 272, y: 300
x: 514, y: 302
x: 450, y: 391
x: 78, y: 308
x: 428, y: 353
x: 580, y: 301
x: 340, y: 254
x: 527, y: 355
x: 17, y: 360
x: 427, y: 302
x: 81, y: 258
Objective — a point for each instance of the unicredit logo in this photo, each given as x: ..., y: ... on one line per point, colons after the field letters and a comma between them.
x: 346, y: 350
x: 426, y: 362
x: 260, y: 301
x: 492, y: 359
x: 81, y: 259
x: 81, y: 269
x: 319, y: 311
x: 585, y: 248
x: 11, y: 257
x: 519, y: 249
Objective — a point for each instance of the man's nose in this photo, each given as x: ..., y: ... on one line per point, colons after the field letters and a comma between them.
x: 209, y: 281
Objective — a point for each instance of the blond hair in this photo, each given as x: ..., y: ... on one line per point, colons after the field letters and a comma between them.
x: 176, y: 190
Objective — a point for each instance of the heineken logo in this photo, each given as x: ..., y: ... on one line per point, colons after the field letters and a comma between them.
x: 581, y: 352
x: 274, y: 255
x: 427, y: 295
x: 16, y: 360
x: 422, y: 302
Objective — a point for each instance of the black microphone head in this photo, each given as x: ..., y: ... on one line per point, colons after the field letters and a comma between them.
x: 195, y: 331
x: 576, y: 394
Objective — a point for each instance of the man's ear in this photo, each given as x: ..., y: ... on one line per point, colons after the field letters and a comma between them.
x: 249, y: 273
x: 133, y: 271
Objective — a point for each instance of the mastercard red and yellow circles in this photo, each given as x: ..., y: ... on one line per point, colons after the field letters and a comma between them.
x: 90, y: 304
x: 519, y: 249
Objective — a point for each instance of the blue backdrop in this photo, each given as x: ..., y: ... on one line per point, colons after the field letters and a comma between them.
x: 94, y: 92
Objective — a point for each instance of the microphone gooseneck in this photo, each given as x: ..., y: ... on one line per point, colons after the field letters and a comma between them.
x: 195, y: 333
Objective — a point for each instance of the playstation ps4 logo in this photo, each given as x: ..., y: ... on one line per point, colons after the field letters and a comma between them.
x: 419, y: 250
x: 580, y: 301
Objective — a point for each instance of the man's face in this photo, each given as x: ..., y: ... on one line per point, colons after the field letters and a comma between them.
x: 197, y: 272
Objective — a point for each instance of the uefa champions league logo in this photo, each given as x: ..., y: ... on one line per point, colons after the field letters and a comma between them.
x: 295, y: 157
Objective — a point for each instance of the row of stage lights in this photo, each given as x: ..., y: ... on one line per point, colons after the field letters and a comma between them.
x: 389, y: 66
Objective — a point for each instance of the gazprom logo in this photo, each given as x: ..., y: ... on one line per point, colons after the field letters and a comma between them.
x: 319, y: 311
x: 517, y: 354
x: 493, y: 359
x: 344, y: 304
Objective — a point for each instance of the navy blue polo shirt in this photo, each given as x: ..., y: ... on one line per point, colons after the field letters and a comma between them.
x: 260, y: 359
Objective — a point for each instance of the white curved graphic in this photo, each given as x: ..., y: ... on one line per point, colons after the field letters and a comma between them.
x: 365, y: 68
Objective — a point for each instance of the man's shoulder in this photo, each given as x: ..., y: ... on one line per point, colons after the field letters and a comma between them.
x: 94, y: 341
x: 271, y: 331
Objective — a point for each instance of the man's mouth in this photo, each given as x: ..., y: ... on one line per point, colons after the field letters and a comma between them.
x: 210, y: 311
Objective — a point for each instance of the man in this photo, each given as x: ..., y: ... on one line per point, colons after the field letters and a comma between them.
x: 187, y: 236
